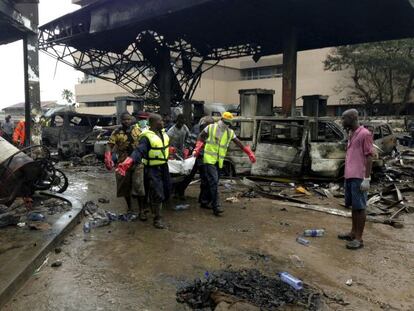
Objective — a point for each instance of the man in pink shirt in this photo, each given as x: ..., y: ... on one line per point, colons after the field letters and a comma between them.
x: 358, y: 167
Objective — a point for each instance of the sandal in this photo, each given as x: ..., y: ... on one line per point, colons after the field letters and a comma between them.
x: 345, y: 236
x: 355, y: 244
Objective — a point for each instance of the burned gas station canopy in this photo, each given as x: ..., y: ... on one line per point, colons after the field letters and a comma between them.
x: 215, y: 27
x: 13, y: 25
x: 129, y: 38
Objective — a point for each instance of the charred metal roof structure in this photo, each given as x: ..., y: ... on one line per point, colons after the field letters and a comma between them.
x: 130, y: 38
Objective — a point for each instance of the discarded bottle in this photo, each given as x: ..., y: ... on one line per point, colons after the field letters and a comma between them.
x: 112, y: 216
x: 291, y: 280
x: 99, y: 223
x: 302, y: 241
x: 36, y: 217
x: 86, y: 227
x: 314, y: 232
x: 181, y: 207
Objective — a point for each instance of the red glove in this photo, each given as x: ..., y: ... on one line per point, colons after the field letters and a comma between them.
x: 198, y: 147
x: 186, y: 153
x: 124, y: 166
x: 250, y: 153
x: 109, y: 164
x: 172, y: 150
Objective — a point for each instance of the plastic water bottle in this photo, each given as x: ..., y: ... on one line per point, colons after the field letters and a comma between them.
x: 291, y: 280
x: 181, y: 207
x: 314, y: 232
x: 99, y: 223
x: 87, y: 227
x: 302, y: 241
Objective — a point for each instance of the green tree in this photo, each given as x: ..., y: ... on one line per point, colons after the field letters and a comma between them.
x: 67, y: 95
x: 380, y: 72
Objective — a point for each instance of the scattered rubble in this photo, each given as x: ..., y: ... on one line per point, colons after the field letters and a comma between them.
x: 250, y: 286
x: 56, y: 264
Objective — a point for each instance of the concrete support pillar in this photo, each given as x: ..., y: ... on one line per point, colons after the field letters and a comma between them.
x: 31, y: 76
x: 165, y: 79
x: 289, y: 73
x: 121, y: 107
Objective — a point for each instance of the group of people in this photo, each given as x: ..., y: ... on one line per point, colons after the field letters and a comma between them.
x: 140, y: 151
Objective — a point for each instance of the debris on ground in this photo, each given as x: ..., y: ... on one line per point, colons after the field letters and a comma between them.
x: 42, y: 226
x: 35, y: 216
x: 250, y: 286
x: 9, y: 219
x: 56, y: 264
x: 181, y: 207
x: 302, y: 240
x: 349, y: 282
x: 232, y: 200
x: 103, y: 200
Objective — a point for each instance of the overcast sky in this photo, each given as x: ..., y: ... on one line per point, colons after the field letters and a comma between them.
x: 11, y: 63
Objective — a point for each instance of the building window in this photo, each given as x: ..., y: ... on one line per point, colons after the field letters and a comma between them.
x: 262, y: 72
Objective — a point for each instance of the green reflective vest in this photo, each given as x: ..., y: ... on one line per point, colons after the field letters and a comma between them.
x: 216, y: 147
x: 159, y: 151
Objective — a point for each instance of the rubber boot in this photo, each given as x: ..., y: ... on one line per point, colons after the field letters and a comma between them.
x: 158, y: 223
x: 142, y: 210
x: 218, y: 210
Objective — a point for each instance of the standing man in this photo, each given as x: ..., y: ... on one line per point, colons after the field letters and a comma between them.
x: 216, y: 139
x: 153, y: 151
x: 120, y: 145
x: 358, y: 167
x: 178, y: 134
x: 167, y: 121
x: 142, y: 120
x: 19, y: 134
x: 8, y: 129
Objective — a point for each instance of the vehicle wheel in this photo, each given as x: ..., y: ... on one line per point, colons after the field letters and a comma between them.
x: 60, y: 182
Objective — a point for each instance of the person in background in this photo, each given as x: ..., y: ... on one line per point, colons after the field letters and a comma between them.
x: 142, y: 120
x: 215, y: 139
x: 19, y: 134
x: 167, y: 121
x: 153, y: 151
x: 179, y: 134
x: 358, y: 167
x: 122, y: 142
x: 8, y: 129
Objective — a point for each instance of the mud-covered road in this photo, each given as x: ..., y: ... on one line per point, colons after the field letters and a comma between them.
x: 132, y: 266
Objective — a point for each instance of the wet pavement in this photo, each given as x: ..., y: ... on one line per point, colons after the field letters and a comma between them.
x: 132, y: 266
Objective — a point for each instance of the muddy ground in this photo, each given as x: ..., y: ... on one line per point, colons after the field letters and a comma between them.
x: 131, y: 266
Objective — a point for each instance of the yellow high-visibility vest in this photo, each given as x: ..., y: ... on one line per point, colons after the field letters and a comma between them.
x: 216, y: 147
x: 159, y: 151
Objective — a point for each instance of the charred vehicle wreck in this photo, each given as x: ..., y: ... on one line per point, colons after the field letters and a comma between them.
x: 290, y: 147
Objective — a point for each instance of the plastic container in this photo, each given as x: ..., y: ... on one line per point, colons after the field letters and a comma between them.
x: 314, y: 232
x: 302, y: 240
x: 291, y: 280
x: 86, y: 227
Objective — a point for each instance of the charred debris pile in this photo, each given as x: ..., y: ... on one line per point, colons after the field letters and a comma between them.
x: 248, y: 287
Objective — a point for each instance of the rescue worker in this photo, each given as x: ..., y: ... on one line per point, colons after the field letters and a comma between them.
x: 19, y: 134
x: 215, y: 139
x: 120, y: 145
x: 153, y: 151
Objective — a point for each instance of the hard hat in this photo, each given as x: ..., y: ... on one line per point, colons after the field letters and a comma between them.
x: 227, y: 116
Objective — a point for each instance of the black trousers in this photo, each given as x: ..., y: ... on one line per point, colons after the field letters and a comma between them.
x: 210, y: 175
x: 157, y: 183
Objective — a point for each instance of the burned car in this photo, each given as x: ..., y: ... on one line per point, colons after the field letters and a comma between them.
x: 73, y: 133
x: 289, y: 147
x: 384, y: 138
